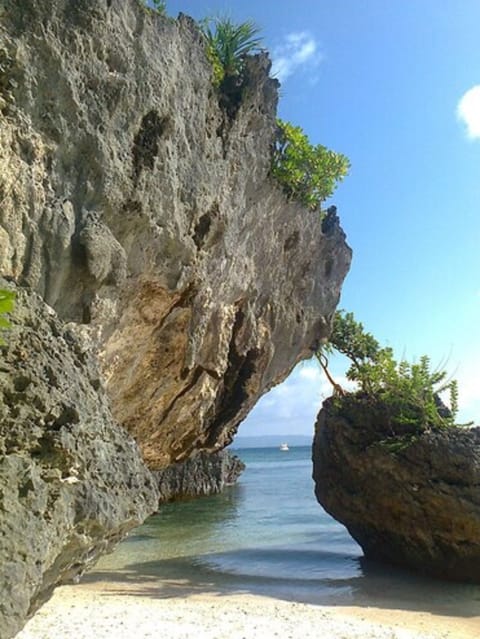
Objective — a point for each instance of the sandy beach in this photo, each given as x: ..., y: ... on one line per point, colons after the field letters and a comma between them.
x: 104, y: 610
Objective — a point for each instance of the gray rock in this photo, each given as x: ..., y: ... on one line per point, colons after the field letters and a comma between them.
x: 72, y: 482
x: 203, y: 474
x: 408, y: 499
x: 132, y: 201
x: 141, y: 209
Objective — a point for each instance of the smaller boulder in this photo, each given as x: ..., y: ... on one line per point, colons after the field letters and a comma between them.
x: 408, y: 498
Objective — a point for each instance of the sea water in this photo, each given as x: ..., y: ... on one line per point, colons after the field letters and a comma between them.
x: 268, y: 535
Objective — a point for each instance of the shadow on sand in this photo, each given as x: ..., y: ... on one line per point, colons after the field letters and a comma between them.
x: 375, y: 586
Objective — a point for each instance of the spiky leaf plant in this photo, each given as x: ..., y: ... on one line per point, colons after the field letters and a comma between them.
x: 228, y: 44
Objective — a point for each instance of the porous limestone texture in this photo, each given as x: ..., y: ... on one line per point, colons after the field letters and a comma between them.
x: 408, y: 499
x: 136, y: 201
x: 72, y: 482
x: 203, y: 474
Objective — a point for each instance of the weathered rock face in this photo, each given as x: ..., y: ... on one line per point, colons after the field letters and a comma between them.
x: 202, y: 474
x: 412, y: 501
x: 134, y: 204
x: 72, y: 482
x: 140, y: 210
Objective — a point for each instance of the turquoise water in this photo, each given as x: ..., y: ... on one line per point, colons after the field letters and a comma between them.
x: 268, y: 535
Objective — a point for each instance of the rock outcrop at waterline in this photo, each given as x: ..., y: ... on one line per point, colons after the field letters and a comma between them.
x: 411, y: 499
x: 72, y: 482
x: 203, y: 474
x: 133, y: 203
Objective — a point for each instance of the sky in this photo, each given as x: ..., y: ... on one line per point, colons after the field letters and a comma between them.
x: 395, y: 86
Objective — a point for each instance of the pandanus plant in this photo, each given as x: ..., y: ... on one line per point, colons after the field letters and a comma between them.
x: 228, y: 44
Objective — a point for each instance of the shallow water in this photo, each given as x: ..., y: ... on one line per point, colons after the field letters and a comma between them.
x: 268, y: 535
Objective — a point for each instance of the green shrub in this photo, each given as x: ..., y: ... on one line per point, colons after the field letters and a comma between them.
x: 227, y: 46
x: 6, y: 306
x: 307, y: 173
x: 410, y: 391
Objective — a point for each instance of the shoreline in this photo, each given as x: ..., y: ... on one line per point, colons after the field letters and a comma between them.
x: 140, y: 610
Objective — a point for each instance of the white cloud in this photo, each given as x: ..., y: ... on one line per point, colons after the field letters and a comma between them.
x: 468, y: 110
x: 299, y: 50
x: 310, y: 371
x: 292, y: 407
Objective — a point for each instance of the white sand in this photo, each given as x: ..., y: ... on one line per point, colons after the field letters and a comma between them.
x: 138, y: 611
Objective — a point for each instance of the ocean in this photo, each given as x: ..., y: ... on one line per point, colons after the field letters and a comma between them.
x: 268, y: 535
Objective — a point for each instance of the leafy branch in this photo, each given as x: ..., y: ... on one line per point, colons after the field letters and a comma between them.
x: 410, y: 391
x: 309, y: 173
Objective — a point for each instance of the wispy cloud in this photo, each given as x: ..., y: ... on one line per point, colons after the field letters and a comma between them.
x: 468, y: 111
x: 299, y: 50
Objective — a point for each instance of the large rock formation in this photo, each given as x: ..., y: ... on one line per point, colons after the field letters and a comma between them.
x: 203, y: 474
x: 408, y: 498
x: 72, y: 483
x: 134, y: 203
x: 138, y: 205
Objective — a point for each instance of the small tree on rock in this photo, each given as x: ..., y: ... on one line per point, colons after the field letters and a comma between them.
x: 410, y: 391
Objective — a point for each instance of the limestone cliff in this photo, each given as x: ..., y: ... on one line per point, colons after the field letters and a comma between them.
x: 142, y: 213
x: 134, y: 204
x: 72, y: 483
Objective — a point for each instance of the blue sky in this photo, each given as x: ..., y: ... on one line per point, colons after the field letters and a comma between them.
x: 395, y: 86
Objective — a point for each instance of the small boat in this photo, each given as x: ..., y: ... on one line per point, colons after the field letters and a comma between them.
x: 284, y: 446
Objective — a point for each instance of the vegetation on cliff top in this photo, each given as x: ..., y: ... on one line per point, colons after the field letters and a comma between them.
x: 308, y: 173
x: 227, y: 46
x: 410, y: 391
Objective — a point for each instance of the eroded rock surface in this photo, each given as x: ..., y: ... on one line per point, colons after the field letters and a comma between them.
x: 411, y: 500
x: 138, y: 205
x: 134, y: 203
x: 203, y: 474
x: 72, y: 482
